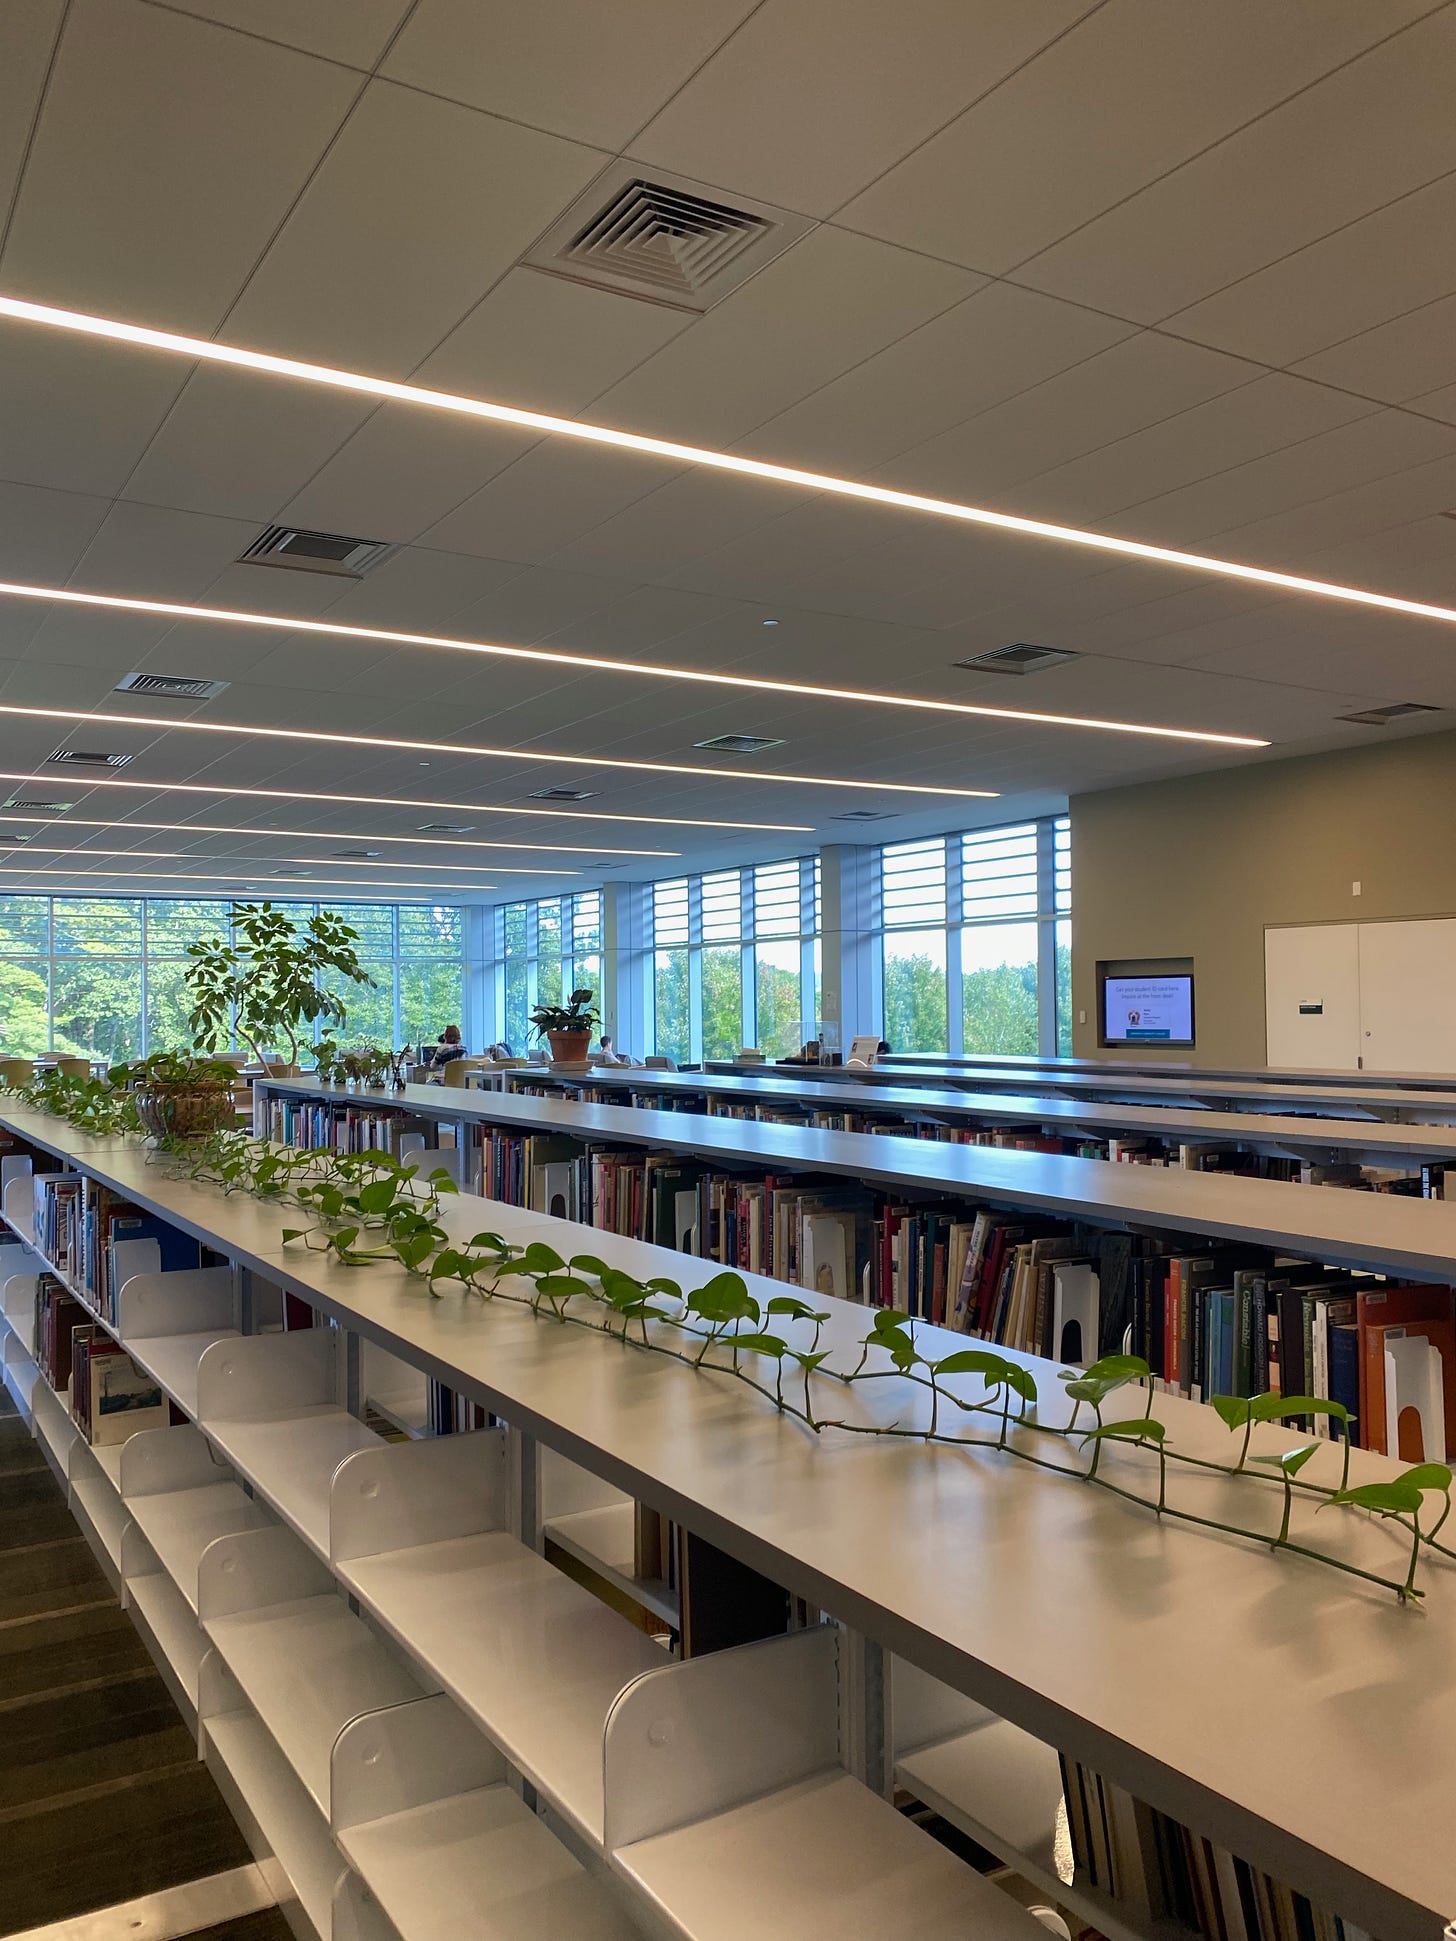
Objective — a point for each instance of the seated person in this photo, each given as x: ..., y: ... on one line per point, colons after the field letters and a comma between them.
x: 447, y: 1047
x: 608, y: 1055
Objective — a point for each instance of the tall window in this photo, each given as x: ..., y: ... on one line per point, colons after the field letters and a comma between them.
x: 546, y: 950
x: 104, y: 975
x: 734, y: 960
x: 976, y: 934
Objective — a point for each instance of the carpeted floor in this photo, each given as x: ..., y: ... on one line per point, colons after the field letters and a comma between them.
x: 102, y: 1798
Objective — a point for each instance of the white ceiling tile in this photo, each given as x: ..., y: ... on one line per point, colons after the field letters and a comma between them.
x: 1343, y: 285
x: 812, y: 99
x: 1135, y: 383
x: 826, y: 303
x: 405, y: 469
x: 1287, y: 538
x: 545, y: 499
x: 1404, y: 359
x: 167, y: 153
x: 44, y: 535
x: 1372, y: 447
x: 1216, y: 437
x: 1132, y: 91
x: 77, y: 413
x: 693, y: 514
x: 28, y: 31
x: 1000, y: 341
x: 1440, y: 404
x: 419, y: 590
x: 158, y: 552
x: 549, y: 344
x: 594, y: 73
x: 355, y: 32
x: 533, y: 604
x: 416, y: 209
x: 240, y: 445
x: 1366, y: 134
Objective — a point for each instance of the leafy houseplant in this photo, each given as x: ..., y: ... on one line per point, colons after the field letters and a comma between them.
x: 567, y: 1027
x: 177, y: 1095
x: 265, y: 983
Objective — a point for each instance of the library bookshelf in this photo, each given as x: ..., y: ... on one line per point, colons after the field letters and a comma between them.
x: 424, y: 1724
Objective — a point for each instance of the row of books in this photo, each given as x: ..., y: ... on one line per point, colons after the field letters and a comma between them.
x: 311, y: 1125
x: 97, y: 1238
x: 110, y: 1397
x: 1160, y: 1870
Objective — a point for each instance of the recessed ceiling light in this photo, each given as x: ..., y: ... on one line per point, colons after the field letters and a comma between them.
x: 597, y: 663
x: 214, y: 789
x: 456, y: 750
x: 81, y: 853
x: 363, y: 890
x: 769, y: 623
x: 205, y: 350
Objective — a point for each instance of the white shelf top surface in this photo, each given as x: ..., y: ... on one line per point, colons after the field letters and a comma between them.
x: 1081, y: 1618
x: 172, y: 1359
x: 283, y: 1811
x: 1175, y: 1122
x: 291, y: 1459
x: 179, y: 1524
x: 172, y: 1625
x: 1367, y: 1230
x: 481, y: 1865
x: 533, y: 1657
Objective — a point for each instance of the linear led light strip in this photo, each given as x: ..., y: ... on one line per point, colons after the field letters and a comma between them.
x: 178, y: 610
x: 188, y: 726
x: 295, y: 888
x: 332, y: 835
x: 267, y: 863
x: 415, y: 802
x: 380, y: 387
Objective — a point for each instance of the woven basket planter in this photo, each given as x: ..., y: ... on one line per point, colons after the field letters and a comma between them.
x: 193, y: 1112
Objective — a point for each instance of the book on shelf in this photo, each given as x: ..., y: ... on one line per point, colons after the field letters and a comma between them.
x: 111, y: 1398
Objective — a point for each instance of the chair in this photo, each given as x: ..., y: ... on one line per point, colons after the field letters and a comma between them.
x: 17, y: 1073
x: 74, y: 1067
x: 655, y: 1062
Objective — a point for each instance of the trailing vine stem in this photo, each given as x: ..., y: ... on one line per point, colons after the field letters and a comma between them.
x: 366, y: 1208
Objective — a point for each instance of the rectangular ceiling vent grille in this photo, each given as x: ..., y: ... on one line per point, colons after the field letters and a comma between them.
x: 1382, y: 717
x: 1021, y: 657
x: 446, y: 828
x: 864, y: 815
x: 355, y: 855
x: 316, y: 552
x: 25, y: 806
x: 87, y: 758
x: 740, y: 744
x: 562, y: 795
x: 664, y: 238
x: 178, y: 687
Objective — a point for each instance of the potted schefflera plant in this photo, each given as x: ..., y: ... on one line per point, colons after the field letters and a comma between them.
x: 266, y: 985
x: 567, y: 1028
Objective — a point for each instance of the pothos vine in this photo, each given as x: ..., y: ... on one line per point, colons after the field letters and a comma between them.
x: 364, y: 1208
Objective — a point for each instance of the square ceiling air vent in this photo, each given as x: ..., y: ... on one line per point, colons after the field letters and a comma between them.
x: 740, y: 744
x: 177, y: 687
x: 27, y: 806
x: 355, y: 855
x: 563, y: 795
x: 290, y: 872
x: 87, y: 758
x: 864, y: 815
x: 446, y: 828
x: 1382, y: 717
x: 316, y: 552
x: 664, y: 238
x: 1021, y: 657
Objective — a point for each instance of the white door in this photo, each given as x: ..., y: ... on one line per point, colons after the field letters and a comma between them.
x: 1312, y: 997
x: 1408, y: 995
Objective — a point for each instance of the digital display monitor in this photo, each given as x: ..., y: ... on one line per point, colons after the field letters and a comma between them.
x: 1147, y: 1010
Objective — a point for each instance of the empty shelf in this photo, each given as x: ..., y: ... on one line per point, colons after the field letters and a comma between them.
x: 179, y: 1524
x: 268, y: 1799
x: 307, y: 1668
x: 824, y: 1856
x: 605, y: 1540
x: 100, y: 1513
x: 172, y: 1359
x: 480, y: 1864
x: 163, y: 1611
x: 291, y: 1461
x: 533, y: 1657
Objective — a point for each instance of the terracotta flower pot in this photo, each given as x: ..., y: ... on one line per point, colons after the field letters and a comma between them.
x: 568, y: 1047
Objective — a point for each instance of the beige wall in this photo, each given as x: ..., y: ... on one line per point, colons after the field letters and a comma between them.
x: 1198, y: 867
